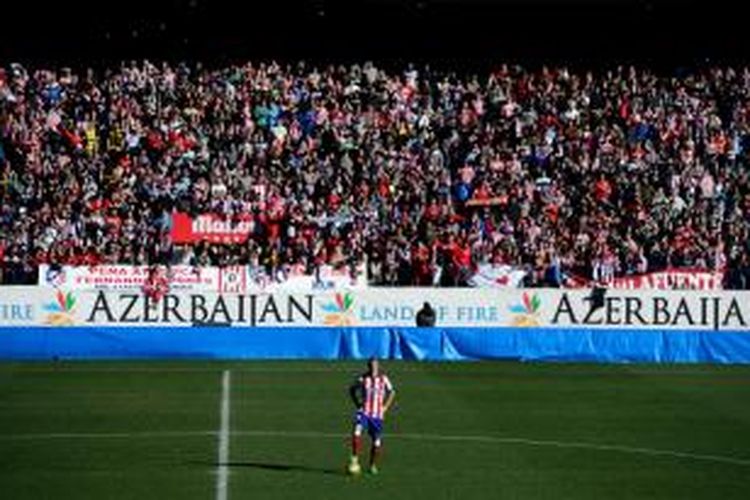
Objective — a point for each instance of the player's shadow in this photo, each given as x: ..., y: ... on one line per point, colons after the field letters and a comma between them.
x: 286, y: 467
x: 279, y: 467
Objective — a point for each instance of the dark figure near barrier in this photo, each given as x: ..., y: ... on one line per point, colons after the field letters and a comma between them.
x: 597, y: 297
x: 426, y: 316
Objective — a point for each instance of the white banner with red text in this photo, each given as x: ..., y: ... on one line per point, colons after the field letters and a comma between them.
x: 230, y: 279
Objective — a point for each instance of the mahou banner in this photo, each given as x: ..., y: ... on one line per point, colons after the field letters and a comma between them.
x: 209, y: 227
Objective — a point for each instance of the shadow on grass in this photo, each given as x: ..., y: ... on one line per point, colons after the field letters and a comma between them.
x: 275, y: 467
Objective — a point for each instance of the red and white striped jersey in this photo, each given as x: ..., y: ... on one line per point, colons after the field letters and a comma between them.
x: 156, y: 287
x: 374, y: 391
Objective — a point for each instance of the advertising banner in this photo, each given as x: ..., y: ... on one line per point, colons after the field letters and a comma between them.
x: 44, y: 322
x: 209, y: 227
x: 397, y: 307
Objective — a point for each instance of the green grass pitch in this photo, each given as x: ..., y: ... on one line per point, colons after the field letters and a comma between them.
x: 458, y: 431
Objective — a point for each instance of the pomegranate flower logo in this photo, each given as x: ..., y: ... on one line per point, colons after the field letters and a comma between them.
x: 61, y: 312
x: 340, y: 312
x: 526, y: 313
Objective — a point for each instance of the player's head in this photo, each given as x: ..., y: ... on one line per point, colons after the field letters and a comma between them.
x: 373, y: 366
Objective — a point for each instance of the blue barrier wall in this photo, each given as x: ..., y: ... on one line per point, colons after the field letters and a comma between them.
x: 526, y: 344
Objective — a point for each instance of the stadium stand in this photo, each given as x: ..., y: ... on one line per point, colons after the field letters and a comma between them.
x: 564, y: 173
x: 587, y: 168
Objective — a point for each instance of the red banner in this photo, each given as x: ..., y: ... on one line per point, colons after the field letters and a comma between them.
x: 209, y: 227
x: 669, y: 279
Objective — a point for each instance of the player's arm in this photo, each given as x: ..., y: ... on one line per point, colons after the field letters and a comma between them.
x: 355, y: 393
x: 390, y: 395
x: 389, y: 400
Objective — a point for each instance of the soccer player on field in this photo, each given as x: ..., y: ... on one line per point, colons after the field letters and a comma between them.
x: 372, y: 395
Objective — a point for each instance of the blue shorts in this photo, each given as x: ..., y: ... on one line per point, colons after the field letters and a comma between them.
x: 373, y: 426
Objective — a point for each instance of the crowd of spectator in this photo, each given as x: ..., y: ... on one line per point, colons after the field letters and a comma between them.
x: 420, y: 175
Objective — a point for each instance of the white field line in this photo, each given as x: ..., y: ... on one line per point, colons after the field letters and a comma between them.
x: 407, y: 436
x: 515, y: 440
x: 106, y: 435
x: 222, y: 477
